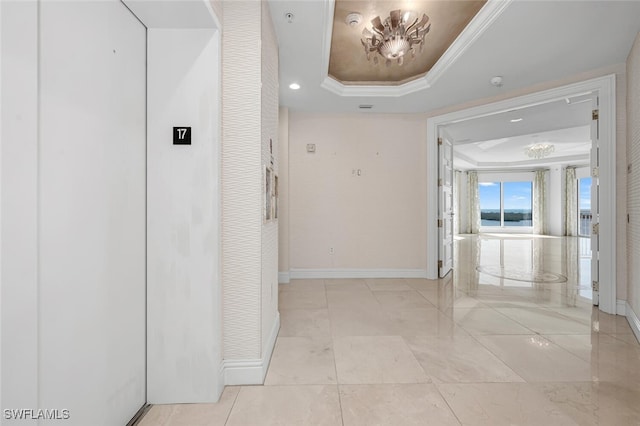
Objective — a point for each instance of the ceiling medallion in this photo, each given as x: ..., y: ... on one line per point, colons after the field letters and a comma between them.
x: 398, y: 36
x: 539, y: 150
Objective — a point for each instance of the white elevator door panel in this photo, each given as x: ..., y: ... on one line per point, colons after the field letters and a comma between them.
x: 92, y: 211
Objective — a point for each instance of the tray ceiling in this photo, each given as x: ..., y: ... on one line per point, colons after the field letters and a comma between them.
x: 348, y: 63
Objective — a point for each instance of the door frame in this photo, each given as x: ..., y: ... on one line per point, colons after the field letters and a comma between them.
x: 605, y: 88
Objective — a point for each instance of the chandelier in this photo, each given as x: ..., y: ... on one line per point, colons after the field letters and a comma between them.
x: 398, y: 36
x: 539, y: 150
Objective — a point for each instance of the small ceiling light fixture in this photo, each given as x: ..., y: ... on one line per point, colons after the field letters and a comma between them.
x: 294, y: 86
x: 398, y: 36
x: 539, y: 150
x: 515, y: 120
x: 353, y: 19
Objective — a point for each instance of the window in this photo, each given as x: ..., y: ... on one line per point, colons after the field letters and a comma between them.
x: 584, y: 207
x: 489, y: 203
x: 506, y: 204
x: 517, y: 204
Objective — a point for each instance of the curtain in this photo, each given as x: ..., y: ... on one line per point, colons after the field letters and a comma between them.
x: 540, y: 202
x: 573, y: 278
x: 457, y: 191
x: 474, y: 203
x: 570, y: 202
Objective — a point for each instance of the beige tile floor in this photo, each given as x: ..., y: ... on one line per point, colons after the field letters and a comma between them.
x: 471, y: 349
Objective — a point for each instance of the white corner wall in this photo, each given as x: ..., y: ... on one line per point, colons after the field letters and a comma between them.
x: 184, y: 279
x: 283, y: 220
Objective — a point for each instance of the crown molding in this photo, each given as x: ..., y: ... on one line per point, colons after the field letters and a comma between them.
x: 483, y: 19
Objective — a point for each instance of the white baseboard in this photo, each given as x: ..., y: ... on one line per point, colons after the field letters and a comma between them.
x: 356, y: 273
x: 621, y: 307
x: 243, y: 372
x: 251, y: 371
x: 283, y: 278
x: 633, y: 320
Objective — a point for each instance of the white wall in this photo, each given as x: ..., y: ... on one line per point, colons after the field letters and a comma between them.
x: 73, y: 200
x: 184, y: 285
x: 633, y: 187
x: 283, y: 219
x: 373, y: 221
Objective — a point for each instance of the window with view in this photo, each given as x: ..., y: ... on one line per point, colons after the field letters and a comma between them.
x: 489, y: 203
x: 506, y: 204
x: 584, y: 206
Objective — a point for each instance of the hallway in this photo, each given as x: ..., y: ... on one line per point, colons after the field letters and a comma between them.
x: 473, y: 349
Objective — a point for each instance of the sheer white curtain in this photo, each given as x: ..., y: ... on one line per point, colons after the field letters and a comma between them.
x: 457, y: 193
x: 540, y: 202
x: 474, y: 203
x: 570, y: 202
x: 573, y: 278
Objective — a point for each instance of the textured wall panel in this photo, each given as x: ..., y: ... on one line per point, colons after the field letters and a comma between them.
x: 633, y: 178
x: 269, y: 153
x: 621, y: 186
x: 241, y: 180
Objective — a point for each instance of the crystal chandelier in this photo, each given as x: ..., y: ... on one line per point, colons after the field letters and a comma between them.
x: 399, y: 35
x: 539, y: 150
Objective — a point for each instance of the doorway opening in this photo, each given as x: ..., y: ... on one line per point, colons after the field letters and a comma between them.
x: 601, y: 90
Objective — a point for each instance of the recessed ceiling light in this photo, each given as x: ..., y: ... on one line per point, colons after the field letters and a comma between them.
x: 294, y: 86
x: 515, y: 120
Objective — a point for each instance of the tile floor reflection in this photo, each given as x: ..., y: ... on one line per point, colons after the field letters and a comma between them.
x: 474, y: 348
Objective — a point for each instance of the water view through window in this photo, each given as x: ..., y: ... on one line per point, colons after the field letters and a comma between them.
x: 584, y: 206
x: 489, y: 203
x: 505, y: 203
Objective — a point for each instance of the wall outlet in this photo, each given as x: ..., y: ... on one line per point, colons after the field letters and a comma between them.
x: 331, y: 251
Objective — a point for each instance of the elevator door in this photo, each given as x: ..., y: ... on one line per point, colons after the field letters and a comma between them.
x: 92, y: 211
